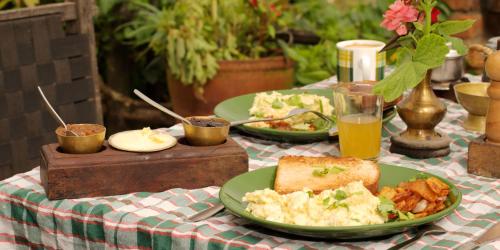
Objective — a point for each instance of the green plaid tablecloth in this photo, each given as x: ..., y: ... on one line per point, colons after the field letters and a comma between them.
x: 157, y: 220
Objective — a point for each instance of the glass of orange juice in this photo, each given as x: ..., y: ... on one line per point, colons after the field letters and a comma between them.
x: 359, y: 119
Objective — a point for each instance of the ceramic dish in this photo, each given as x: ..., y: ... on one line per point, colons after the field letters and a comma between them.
x: 236, y: 108
x: 233, y: 191
x: 132, y: 141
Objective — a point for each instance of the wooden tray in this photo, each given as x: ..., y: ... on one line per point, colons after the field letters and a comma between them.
x: 113, y: 172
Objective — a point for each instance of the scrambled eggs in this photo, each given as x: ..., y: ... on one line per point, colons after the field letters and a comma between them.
x: 350, y: 205
x: 277, y: 105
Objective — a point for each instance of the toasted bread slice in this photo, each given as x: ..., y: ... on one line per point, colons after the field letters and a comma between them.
x: 297, y: 172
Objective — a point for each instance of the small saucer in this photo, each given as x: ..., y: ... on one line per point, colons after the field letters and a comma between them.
x: 134, y: 141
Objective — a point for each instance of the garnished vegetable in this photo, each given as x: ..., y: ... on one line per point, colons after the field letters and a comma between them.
x: 327, y: 170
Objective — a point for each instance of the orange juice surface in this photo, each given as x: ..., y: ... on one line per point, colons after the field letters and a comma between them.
x: 360, y: 135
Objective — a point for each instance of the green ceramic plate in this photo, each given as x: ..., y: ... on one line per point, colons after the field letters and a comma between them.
x: 233, y: 191
x: 236, y: 108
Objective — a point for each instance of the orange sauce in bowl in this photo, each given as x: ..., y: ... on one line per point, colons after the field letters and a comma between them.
x: 81, y: 129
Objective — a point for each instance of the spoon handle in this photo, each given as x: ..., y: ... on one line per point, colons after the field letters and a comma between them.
x: 51, y: 109
x: 207, y: 213
x: 159, y: 106
x: 408, y: 242
x: 241, y: 122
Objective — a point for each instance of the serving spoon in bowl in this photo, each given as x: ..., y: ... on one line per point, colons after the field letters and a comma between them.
x: 55, y: 115
x: 160, y: 107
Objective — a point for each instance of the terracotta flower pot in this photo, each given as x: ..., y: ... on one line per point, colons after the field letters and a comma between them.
x: 233, y: 78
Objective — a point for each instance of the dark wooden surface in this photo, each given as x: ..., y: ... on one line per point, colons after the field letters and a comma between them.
x: 113, y: 172
x: 484, y: 158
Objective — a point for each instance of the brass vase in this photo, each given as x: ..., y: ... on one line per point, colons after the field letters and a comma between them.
x: 421, y: 110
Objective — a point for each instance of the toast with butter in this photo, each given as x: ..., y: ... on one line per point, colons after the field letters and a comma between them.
x: 320, y: 173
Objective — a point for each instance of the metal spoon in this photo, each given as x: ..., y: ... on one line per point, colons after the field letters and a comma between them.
x: 160, y: 107
x: 292, y: 113
x: 55, y: 115
x: 425, y: 230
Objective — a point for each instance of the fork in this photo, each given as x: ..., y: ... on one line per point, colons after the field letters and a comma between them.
x: 421, y: 231
x: 292, y: 113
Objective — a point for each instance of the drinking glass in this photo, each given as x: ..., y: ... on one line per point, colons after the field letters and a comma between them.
x: 359, y: 119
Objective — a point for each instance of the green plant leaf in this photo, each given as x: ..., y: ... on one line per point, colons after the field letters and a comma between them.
x: 404, y: 54
x: 454, y: 26
x: 431, y: 51
x: 405, y: 76
x: 458, y: 45
x: 418, y: 26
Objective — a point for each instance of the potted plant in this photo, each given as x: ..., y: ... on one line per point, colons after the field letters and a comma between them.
x: 422, y: 44
x: 214, y: 49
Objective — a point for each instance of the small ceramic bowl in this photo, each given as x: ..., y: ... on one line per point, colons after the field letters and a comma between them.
x: 90, y: 139
x: 474, y: 98
x: 206, y: 131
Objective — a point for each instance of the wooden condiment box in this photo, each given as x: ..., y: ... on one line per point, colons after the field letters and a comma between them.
x: 113, y: 172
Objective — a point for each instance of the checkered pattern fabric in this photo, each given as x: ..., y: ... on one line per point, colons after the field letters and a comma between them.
x: 344, y: 66
x: 157, y: 220
x: 381, y: 57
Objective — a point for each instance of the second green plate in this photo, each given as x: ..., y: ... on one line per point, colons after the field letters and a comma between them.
x: 236, y: 108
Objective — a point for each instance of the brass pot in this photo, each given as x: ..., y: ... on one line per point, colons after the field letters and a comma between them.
x: 421, y: 110
x: 86, y: 144
x: 206, y: 136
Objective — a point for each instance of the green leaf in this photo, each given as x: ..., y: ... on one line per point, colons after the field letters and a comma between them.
x: 454, y: 26
x: 404, y: 55
x: 271, y: 30
x: 431, y: 51
x: 418, y: 26
x: 405, y: 76
x: 458, y: 45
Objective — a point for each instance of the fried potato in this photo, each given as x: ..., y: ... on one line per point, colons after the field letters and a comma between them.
x: 437, y: 186
x: 420, y: 215
x: 431, y: 206
x: 401, y: 194
x: 420, y: 187
x: 387, y: 192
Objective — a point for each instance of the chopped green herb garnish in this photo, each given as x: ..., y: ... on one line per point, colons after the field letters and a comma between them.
x: 357, y: 193
x: 310, y: 193
x: 277, y: 104
x: 338, y: 204
x: 325, y: 170
x: 326, y: 201
x: 320, y: 172
x: 420, y: 176
x: 340, y: 195
x: 259, y: 114
x: 320, y: 106
x: 295, y: 100
x: 336, y: 170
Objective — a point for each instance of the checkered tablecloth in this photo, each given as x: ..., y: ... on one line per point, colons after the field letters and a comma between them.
x: 157, y: 220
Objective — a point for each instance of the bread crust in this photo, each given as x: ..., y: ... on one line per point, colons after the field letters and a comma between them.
x: 295, y: 173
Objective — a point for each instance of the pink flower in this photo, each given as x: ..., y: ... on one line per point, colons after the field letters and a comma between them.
x: 398, y: 14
